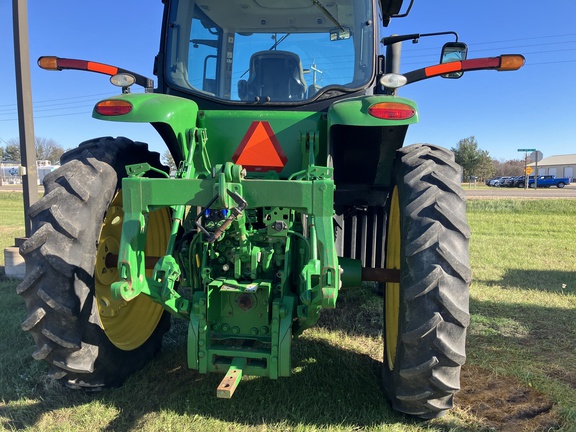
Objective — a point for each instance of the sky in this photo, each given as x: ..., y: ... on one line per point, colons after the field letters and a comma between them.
x: 534, y: 107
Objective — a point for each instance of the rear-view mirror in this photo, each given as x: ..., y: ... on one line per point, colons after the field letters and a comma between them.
x: 340, y: 33
x: 451, y: 52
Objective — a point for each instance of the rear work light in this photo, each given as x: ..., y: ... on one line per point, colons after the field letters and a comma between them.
x: 393, y: 80
x: 392, y: 111
x: 113, y: 107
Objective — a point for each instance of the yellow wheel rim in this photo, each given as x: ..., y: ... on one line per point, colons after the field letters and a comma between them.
x: 127, y: 324
x: 392, y: 295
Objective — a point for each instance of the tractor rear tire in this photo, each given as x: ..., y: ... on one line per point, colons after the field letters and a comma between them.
x: 64, y: 315
x: 426, y: 313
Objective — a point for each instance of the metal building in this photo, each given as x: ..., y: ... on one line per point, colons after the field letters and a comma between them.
x: 559, y: 166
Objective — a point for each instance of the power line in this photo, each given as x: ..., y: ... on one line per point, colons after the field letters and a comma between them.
x: 509, y: 40
x: 47, y: 105
x: 419, y: 54
x: 45, y: 109
x: 60, y: 106
x: 547, y: 63
x: 49, y: 116
x: 527, y: 38
x: 64, y: 115
x: 67, y: 98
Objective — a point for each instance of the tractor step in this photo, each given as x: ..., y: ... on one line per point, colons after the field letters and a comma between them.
x: 232, y: 378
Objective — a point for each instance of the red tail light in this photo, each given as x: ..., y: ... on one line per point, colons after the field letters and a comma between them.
x: 113, y: 107
x: 392, y: 111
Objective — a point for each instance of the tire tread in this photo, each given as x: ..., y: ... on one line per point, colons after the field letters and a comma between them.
x: 434, y: 281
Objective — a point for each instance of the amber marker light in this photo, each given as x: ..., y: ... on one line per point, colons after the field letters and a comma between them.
x: 511, y: 62
x: 113, y: 107
x: 391, y: 111
x: 48, y: 63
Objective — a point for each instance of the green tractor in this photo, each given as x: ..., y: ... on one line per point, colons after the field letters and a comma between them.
x: 291, y: 184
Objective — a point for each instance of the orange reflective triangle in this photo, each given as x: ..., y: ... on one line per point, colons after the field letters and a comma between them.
x: 260, y: 149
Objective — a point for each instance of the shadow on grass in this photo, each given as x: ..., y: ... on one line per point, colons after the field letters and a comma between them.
x: 330, y: 387
x: 553, y: 281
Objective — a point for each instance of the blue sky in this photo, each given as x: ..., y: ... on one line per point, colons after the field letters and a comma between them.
x: 531, y: 108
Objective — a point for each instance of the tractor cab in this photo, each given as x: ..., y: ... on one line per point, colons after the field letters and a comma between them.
x: 269, y: 51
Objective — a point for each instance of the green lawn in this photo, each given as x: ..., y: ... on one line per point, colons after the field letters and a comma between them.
x: 520, y: 374
x: 11, y: 220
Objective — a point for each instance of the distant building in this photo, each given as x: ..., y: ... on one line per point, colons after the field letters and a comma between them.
x: 559, y: 166
x: 10, y: 171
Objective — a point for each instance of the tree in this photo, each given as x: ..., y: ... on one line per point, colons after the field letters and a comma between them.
x: 485, y: 168
x: 167, y: 159
x: 12, y: 151
x: 46, y: 149
x: 474, y: 161
x: 514, y: 167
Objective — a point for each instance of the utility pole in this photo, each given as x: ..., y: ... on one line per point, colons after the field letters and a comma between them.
x: 14, y: 265
x: 25, y: 113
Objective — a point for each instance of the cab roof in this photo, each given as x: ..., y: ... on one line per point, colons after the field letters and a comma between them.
x: 243, y: 16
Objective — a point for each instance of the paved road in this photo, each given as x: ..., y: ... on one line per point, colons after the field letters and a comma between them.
x: 16, y: 188
x: 493, y: 192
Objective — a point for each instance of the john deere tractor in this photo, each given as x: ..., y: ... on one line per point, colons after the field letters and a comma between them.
x: 291, y: 183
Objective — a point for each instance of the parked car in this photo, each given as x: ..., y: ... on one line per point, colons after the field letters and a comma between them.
x: 501, y: 182
x: 522, y: 182
x: 495, y: 181
x: 549, y: 180
x: 489, y: 180
x: 515, y: 181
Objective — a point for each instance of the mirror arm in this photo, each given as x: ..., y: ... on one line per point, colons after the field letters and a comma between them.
x: 414, y: 37
x: 441, y: 34
x: 405, y: 14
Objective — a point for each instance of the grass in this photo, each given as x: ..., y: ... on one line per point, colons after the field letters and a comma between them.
x: 520, y: 374
x: 523, y: 301
x: 479, y: 185
x: 12, y: 220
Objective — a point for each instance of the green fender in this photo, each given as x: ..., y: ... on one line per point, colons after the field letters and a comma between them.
x: 354, y: 112
x: 172, y: 116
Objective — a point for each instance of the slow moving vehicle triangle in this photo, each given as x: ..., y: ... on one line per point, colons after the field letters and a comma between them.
x: 260, y: 150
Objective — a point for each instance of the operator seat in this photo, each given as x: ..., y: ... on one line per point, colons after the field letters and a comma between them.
x: 274, y: 74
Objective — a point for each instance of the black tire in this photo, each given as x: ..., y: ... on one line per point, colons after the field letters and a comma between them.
x: 59, y: 287
x: 521, y: 185
x: 561, y: 185
x: 426, y: 314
